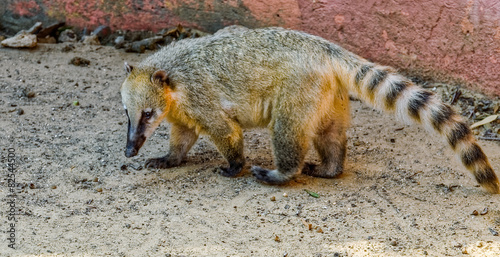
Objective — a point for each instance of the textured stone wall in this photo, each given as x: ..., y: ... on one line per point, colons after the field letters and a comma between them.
x: 451, y: 40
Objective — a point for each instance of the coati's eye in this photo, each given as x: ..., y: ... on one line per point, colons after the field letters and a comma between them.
x: 148, y: 115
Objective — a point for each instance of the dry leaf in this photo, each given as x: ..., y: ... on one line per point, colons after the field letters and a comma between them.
x: 484, y: 121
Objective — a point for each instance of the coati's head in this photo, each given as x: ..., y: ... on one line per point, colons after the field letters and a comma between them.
x: 145, y: 96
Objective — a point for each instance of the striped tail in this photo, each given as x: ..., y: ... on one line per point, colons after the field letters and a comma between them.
x: 383, y: 88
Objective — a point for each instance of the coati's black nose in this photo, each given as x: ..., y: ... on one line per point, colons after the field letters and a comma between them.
x: 131, y: 152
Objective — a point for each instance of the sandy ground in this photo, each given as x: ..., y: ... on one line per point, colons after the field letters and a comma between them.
x: 403, y: 192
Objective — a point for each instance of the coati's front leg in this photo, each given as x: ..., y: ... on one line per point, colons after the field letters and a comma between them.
x: 290, y: 147
x: 181, y: 140
x: 230, y: 145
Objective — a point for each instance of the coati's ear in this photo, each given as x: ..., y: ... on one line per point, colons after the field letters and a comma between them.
x: 160, y: 77
x: 128, y: 68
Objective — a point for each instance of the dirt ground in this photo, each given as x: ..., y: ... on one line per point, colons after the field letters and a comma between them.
x: 403, y: 192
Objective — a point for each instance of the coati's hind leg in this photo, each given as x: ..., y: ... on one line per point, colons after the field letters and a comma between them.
x: 331, y: 144
x: 181, y: 140
x: 290, y: 148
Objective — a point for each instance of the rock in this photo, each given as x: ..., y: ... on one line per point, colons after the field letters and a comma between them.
x: 78, y: 61
x: 30, y: 94
x: 68, y: 36
x: 102, y: 31
x: 141, y: 46
x: 21, y: 40
x: 35, y: 28
x: 50, y: 31
x: 91, y: 40
x: 134, y: 47
x: 119, y: 42
x: 197, y: 33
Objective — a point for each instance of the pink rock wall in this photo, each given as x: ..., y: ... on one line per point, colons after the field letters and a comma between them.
x: 449, y: 40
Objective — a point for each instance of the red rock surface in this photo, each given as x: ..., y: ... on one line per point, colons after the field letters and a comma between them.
x: 449, y: 40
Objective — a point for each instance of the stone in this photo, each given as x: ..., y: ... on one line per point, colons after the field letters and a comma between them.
x: 50, y: 31
x: 102, y: 31
x: 119, y: 42
x: 68, y: 36
x: 22, y: 40
x: 35, y: 28
x: 91, y: 40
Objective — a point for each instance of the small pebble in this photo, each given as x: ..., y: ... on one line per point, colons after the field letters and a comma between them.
x: 394, y: 243
x: 54, y: 187
x: 485, y: 211
x: 99, y: 189
x: 78, y: 61
x: 285, y: 195
x: 273, y: 198
x: 277, y: 239
x: 493, y: 232
x: 68, y: 48
x: 475, y: 212
x: 20, y: 111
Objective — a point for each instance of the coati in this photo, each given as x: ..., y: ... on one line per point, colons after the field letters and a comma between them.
x: 293, y: 83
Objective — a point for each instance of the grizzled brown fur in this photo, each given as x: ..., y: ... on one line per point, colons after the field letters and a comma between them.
x: 295, y: 84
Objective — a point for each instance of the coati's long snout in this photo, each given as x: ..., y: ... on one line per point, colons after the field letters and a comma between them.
x: 135, y: 138
x: 134, y: 143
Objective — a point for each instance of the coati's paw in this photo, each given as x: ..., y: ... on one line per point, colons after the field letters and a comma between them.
x: 233, y: 170
x: 260, y: 173
x: 269, y: 176
x: 160, y: 163
x: 322, y: 171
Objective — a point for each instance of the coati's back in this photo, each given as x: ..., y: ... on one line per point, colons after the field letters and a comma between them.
x: 245, y: 70
x: 250, y: 73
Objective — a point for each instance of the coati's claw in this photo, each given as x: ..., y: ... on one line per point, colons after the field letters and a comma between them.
x: 321, y: 171
x: 273, y: 177
x: 233, y: 170
x: 226, y: 172
x: 260, y: 173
